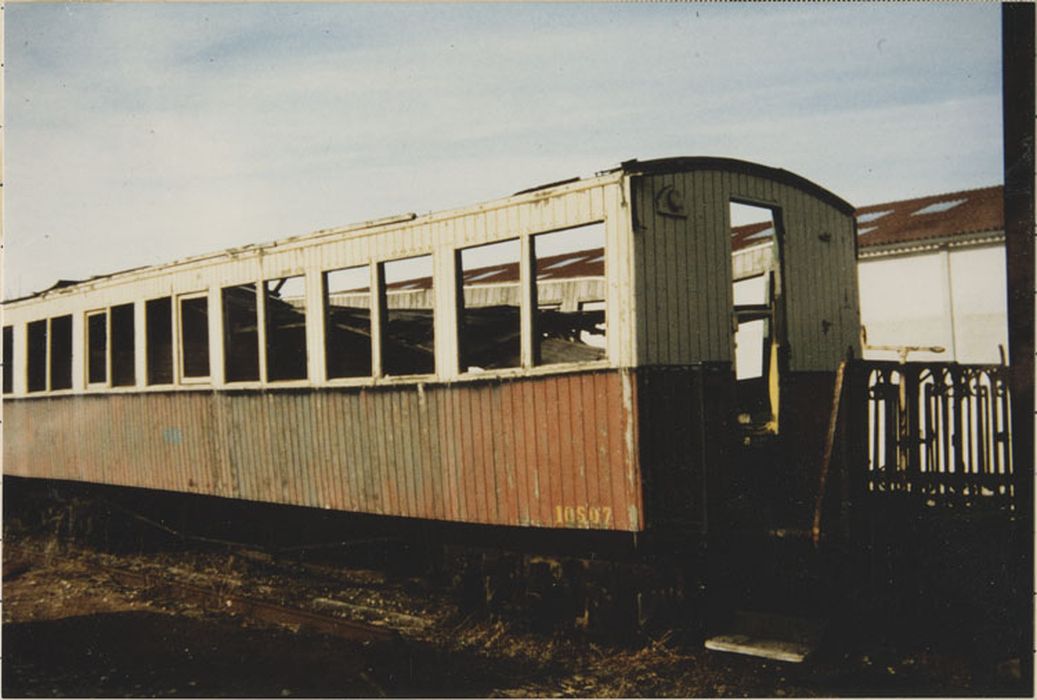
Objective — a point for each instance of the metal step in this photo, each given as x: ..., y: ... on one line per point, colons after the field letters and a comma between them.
x: 770, y: 636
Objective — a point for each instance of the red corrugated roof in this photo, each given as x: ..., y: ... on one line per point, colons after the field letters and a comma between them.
x: 904, y: 221
x: 936, y: 216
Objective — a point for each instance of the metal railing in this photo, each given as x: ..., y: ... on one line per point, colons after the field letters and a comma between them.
x: 937, y: 431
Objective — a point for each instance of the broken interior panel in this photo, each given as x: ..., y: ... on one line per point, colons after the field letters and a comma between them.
x: 61, y: 352
x: 408, y: 333
x: 8, y: 359
x: 97, y: 347
x: 36, y: 356
x: 755, y: 286
x: 240, y: 333
x: 194, y: 336
x: 347, y: 322
x: 123, y: 350
x: 489, y: 326
x: 285, y: 328
x: 158, y: 320
x: 570, y: 295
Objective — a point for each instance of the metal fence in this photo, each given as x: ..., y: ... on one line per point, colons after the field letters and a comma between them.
x: 937, y: 431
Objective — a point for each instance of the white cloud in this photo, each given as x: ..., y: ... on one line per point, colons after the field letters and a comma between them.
x: 166, y: 130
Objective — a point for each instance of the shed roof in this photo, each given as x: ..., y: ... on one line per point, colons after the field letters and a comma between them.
x: 950, y: 216
x: 939, y: 216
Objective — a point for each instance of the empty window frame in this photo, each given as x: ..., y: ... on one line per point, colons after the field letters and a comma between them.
x: 8, y: 359
x: 36, y: 356
x: 408, y: 330
x: 97, y: 347
x: 61, y: 352
x: 285, y: 310
x: 240, y: 333
x: 124, y: 372
x: 158, y: 322
x: 569, y: 320
x: 489, y: 300
x: 347, y: 322
x: 194, y: 336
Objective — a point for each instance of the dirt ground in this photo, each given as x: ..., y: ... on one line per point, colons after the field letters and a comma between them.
x: 70, y: 628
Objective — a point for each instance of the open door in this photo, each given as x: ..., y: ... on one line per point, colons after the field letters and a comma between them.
x: 756, y: 235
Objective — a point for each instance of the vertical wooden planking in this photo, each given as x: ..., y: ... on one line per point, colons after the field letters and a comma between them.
x: 645, y: 235
x: 504, y: 435
x: 433, y: 463
x: 422, y: 446
x: 586, y: 410
x: 675, y: 283
x: 364, y: 450
x: 493, y: 494
x: 393, y: 472
x: 518, y: 448
x: 471, y: 429
x: 459, y: 442
x: 684, y: 272
x: 610, y: 487
x: 817, y: 286
x: 525, y: 456
x: 568, y: 442
x: 407, y: 471
x: 307, y: 442
x: 351, y: 460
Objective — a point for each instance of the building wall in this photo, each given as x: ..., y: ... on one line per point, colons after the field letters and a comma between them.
x: 951, y: 298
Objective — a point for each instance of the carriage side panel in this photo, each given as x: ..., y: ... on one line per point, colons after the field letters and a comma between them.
x: 437, y: 451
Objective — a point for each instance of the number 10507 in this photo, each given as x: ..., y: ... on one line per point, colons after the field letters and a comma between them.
x: 595, y: 516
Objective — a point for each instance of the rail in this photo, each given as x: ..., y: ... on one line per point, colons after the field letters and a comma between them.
x: 938, y: 432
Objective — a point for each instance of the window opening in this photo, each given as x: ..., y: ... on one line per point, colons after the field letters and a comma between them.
x: 285, y: 328
x: 8, y: 359
x: 158, y: 321
x: 240, y: 333
x: 61, y: 352
x: 408, y: 334
x: 97, y: 347
x: 124, y: 372
x: 755, y: 283
x: 347, y: 322
x: 489, y: 326
x: 36, y: 356
x: 570, y: 321
x: 194, y: 336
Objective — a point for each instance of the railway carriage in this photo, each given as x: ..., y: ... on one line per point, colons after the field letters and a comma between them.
x: 588, y: 354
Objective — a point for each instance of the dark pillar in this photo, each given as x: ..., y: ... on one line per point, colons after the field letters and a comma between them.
x: 1017, y: 52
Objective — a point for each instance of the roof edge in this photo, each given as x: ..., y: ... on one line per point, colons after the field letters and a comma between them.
x: 667, y: 165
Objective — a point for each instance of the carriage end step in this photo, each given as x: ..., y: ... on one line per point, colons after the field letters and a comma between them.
x: 770, y: 636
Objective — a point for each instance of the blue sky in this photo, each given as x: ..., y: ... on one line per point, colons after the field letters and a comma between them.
x: 139, y: 133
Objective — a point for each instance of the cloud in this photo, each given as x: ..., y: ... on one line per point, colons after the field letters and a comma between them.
x: 164, y: 130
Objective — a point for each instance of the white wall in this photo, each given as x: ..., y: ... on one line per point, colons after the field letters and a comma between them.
x: 955, y: 299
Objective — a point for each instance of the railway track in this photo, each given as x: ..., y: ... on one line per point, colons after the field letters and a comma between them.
x: 222, y: 595
x: 220, y: 599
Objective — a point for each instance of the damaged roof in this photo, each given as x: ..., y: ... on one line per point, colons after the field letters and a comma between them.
x: 909, y: 224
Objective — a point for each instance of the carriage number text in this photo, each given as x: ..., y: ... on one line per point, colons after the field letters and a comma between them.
x: 583, y: 515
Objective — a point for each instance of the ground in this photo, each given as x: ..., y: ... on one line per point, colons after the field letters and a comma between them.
x: 73, y: 627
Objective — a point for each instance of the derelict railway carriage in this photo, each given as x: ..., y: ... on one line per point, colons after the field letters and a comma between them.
x: 561, y: 358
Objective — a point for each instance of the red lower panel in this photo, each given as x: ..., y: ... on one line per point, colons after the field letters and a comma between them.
x: 553, y: 451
